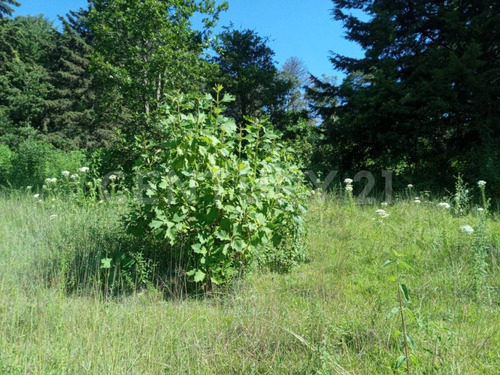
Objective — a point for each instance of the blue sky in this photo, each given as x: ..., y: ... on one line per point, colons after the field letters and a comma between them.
x: 302, y: 28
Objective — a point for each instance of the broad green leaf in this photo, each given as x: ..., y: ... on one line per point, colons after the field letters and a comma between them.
x: 404, y: 291
x: 399, y: 362
x: 410, y: 341
x: 407, y: 264
x: 155, y: 224
x: 229, y: 127
x: 106, y: 263
x: 238, y: 245
x: 199, y: 276
x: 409, y: 312
x: 216, y: 280
x: 387, y: 262
x: 212, y: 215
x: 199, y: 249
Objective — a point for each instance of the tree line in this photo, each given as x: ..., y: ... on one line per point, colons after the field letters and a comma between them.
x: 423, y: 102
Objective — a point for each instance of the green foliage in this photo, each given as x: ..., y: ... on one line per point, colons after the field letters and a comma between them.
x: 25, y: 54
x: 228, y: 198
x: 247, y: 70
x: 6, y: 157
x: 295, y: 72
x: 403, y: 310
x: 46, y: 84
x: 481, y: 249
x: 35, y: 161
x: 324, y: 317
x: 424, y: 97
x: 461, y: 198
x: 71, y: 118
x: 5, y: 9
x: 144, y: 49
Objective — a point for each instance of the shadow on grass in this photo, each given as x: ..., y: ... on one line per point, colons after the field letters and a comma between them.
x: 113, y: 264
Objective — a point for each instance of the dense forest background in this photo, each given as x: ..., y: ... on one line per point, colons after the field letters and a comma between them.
x: 423, y: 102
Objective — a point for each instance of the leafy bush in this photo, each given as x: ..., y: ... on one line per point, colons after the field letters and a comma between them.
x: 37, y: 160
x: 60, y: 160
x: 6, y: 156
x: 231, y: 198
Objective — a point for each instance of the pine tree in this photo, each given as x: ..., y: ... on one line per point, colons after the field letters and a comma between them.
x: 25, y: 51
x: 247, y: 70
x: 6, y: 9
x: 72, y: 117
x: 425, y: 98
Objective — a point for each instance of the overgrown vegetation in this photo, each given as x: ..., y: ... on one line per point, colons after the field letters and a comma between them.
x: 147, y: 228
x: 228, y: 197
x: 72, y: 288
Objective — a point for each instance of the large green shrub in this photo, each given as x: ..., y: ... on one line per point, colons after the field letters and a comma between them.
x: 230, y: 198
x: 37, y: 160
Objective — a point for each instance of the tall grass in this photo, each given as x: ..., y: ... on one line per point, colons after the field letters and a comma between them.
x: 325, y: 317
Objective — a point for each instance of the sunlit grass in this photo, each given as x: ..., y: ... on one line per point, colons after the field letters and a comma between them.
x: 325, y: 317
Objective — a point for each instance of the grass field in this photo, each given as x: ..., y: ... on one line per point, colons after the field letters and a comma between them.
x: 327, y: 316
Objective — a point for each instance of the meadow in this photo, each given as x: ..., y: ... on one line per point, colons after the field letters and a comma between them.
x: 327, y: 316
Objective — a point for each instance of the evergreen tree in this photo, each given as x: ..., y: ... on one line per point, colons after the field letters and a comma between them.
x: 71, y: 109
x: 247, y: 71
x: 425, y: 99
x: 295, y: 71
x: 6, y: 9
x: 25, y: 51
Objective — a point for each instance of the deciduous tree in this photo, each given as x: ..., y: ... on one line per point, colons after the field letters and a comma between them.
x: 146, y: 48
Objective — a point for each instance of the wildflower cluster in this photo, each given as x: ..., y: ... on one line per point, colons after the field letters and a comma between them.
x: 348, y: 182
x: 382, y: 213
x: 444, y: 205
x: 68, y: 184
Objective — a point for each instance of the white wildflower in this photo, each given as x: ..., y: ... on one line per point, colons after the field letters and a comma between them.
x: 481, y: 183
x: 74, y: 176
x: 36, y: 196
x: 65, y: 173
x: 410, y: 186
x: 467, y: 229
x: 113, y: 177
x: 384, y: 204
x: 417, y: 201
x: 445, y: 205
x: 480, y: 209
x: 348, y: 188
x: 83, y: 169
x: 348, y: 181
x: 50, y: 180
